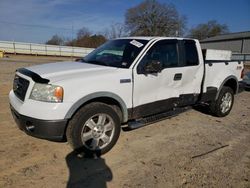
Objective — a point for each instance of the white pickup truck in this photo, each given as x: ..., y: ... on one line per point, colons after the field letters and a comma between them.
x: 127, y: 82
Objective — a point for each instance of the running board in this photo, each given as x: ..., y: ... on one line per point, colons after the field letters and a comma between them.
x: 135, y: 124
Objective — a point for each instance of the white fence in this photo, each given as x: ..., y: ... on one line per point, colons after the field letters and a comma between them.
x: 43, y: 49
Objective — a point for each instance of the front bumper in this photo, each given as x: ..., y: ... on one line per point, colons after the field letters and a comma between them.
x: 53, y: 130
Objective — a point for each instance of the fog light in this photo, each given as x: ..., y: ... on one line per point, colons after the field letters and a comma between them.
x: 29, y: 126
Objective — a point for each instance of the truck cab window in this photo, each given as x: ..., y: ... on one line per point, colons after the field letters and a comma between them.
x: 164, y: 52
x: 191, y: 55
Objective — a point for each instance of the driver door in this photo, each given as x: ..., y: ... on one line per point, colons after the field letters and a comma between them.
x: 157, y: 92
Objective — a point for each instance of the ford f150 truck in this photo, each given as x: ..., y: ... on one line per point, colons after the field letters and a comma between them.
x: 129, y: 82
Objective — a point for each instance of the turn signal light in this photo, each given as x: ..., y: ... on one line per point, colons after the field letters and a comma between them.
x: 58, y: 93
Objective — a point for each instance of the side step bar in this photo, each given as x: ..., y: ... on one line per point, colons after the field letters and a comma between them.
x: 135, y: 124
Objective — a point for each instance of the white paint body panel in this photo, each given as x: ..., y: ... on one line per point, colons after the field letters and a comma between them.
x: 218, y: 72
x: 156, y: 87
x: 78, y: 80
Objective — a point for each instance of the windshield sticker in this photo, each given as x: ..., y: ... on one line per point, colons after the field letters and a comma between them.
x: 124, y: 64
x: 136, y: 43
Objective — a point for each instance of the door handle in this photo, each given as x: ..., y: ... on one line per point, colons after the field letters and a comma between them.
x: 178, y: 76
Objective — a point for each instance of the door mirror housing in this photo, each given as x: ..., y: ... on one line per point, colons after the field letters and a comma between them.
x: 153, y: 67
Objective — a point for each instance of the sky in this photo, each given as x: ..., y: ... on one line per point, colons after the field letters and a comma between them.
x: 37, y: 20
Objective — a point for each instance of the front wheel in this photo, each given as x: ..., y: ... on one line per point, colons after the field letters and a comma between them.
x: 94, y: 129
x: 224, y: 103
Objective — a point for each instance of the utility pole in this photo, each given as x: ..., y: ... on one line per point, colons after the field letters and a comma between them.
x: 72, y: 35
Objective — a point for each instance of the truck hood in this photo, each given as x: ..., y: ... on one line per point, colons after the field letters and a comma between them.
x: 63, y: 70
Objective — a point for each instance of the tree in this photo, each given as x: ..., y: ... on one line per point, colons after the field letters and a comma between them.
x: 55, y: 40
x: 209, y: 29
x: 115, y: 31
x: 84, y: 38
x: 151, y: 18
x: 94, y: 41
x: 83, y: 32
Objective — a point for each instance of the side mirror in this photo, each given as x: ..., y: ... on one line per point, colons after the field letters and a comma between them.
x: 153, y: 67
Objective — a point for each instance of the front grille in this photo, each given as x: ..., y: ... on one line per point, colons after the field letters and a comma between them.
x: 20, y: 86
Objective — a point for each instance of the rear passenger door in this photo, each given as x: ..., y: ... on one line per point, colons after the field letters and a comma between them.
x: 176, y: 85
x: 192, y: 69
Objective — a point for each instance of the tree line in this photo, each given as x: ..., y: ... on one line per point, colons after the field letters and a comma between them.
x: 149, y: 18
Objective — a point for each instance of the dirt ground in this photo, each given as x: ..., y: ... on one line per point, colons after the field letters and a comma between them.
x: 158, y: 155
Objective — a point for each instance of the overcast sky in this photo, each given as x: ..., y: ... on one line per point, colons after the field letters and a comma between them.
x: 38, y: 20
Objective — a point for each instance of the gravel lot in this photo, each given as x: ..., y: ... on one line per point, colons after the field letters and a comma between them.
x: 160, y: 155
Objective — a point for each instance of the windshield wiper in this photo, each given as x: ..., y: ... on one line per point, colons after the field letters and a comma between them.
x: 80, y: 60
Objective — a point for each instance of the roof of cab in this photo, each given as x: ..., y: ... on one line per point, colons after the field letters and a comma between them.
x: 153, y: 38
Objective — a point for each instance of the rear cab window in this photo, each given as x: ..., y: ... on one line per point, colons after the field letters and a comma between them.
x: 190, y: 53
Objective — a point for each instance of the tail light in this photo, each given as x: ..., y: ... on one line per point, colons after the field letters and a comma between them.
x: 242, y: 73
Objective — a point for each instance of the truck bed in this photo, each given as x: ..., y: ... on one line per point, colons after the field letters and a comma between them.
x: 217, y: 71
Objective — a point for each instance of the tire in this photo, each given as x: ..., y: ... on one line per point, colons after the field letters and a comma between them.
x: 224, y: 103
x: 94, y: 129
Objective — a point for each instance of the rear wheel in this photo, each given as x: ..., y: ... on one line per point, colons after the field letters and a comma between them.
x: 94, y: 129
x: 224, y: 103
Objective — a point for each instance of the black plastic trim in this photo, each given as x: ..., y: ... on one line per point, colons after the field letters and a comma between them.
x: 154, y: 108
x: 125, y: 81
x: 171, y: 104
x: 35, y: 77
x: 243, y: 86
x: 162, y: 106
x: 20, y: 87
x: 210, y: 95
x: 177, y: 76
x: 53, y: 130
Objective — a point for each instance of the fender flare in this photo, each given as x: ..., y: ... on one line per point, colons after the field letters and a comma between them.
x: 223, y: 83
x: 92, y: 96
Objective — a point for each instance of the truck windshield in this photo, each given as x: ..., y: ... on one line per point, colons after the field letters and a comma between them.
x: 116, y: 53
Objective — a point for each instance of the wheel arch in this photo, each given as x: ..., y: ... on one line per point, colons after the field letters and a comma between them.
x: 105, y: 97
x: 231, y: 82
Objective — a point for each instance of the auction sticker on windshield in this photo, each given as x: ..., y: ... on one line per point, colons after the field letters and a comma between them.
x: 136, y: 43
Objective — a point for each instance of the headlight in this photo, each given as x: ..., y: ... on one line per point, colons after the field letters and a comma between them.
x: 47, y: 93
